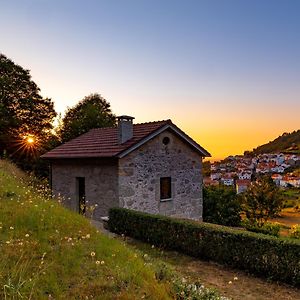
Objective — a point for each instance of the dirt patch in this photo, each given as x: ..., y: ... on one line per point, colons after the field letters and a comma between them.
x: 232, y: 283
x: 288, y: 217
x: 236, y: 284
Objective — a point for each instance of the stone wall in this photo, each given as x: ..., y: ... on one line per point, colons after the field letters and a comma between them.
x: 141, y: 170
x: 101, y: 183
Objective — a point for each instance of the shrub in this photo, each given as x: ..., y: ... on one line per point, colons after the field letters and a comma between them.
x: 295, y: 232
x: 263, y: 255
x: 266, y: 228
x: 221, y: 206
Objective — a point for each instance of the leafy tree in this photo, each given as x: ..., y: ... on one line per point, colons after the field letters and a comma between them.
x: 206, y: 168
x: 23, y: 112
x: 91, y: 112
x: 262, y: 201
x: 221, y: 206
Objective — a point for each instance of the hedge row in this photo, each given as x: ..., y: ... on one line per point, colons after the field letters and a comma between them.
x: 275, y: 258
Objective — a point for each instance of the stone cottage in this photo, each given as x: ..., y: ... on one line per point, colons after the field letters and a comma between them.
x: 152, y: 167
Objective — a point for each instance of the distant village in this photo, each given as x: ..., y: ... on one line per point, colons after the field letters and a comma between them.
x: 238, y: 171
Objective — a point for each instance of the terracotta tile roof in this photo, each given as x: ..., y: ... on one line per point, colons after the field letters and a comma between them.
x: 243, y: 182
x: 103, y: 142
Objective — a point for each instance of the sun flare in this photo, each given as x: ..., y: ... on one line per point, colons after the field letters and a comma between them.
x: 30, y: 140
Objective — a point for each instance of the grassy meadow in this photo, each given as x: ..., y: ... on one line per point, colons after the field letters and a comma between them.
x: 48, y: 252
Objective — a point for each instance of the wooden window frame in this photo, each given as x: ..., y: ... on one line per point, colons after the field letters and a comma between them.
x: 165, y: 188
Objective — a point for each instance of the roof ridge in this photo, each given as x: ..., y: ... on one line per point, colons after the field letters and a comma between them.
x: 144, y: 123
x: 152, y: 122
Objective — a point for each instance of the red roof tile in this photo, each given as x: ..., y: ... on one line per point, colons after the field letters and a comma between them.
x: 243, y: 182
x: 103, y: 142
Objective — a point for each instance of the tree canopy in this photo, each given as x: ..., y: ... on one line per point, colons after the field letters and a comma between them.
x: 23, y: 111
x: 91, y: 112
x: 262, y: 201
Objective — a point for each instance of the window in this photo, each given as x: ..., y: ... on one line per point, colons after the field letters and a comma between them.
x: 80, y: 188
x: 166, y: 140
x: 165, y: 188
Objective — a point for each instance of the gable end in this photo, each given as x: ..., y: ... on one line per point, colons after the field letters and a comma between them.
x: 174, y: 129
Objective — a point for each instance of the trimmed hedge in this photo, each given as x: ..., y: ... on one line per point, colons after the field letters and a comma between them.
x: 268, y: 256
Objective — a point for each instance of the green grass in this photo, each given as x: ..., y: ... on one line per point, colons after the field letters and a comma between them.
x: 48, y: 252
x: 291, y: 197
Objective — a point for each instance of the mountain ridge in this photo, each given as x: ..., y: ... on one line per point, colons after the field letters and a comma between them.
x: 286, y: 143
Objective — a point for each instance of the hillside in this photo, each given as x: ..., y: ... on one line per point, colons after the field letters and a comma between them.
x: 48, y: 252
x: 286, y: 143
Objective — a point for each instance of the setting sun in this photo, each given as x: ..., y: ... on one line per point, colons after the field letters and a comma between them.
x: 30, y: 140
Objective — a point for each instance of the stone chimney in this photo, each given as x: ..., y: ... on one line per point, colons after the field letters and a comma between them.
x: 125, y: 128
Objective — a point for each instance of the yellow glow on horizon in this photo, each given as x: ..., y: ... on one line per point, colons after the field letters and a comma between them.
x: 224, y: 142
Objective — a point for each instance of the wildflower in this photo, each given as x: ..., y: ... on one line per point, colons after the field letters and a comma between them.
x: 230, y: 282
x: 152, y: 246
x: 26, y: 235
x: 88, y: 236
x: 102, y: 262
x: 97, y: 262
x: 93, y: 254
x: 235, y: 278
x: 11, y: 228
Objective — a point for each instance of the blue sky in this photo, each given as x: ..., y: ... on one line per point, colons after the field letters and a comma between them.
x: 226, y: 72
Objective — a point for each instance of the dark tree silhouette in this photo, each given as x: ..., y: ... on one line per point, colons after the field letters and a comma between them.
x: 23, y: 113
x: 91, y: 112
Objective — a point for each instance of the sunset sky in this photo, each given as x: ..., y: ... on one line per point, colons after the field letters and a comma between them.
x: 226, y: 72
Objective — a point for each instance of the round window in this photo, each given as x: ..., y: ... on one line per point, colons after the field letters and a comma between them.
x: 166, y: 140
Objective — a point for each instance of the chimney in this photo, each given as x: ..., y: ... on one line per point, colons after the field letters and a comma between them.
x: 125, y: 128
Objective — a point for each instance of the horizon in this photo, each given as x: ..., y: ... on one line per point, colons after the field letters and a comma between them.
x: 226, y: 73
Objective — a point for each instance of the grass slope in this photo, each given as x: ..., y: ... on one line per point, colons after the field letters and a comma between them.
x: 48, y: 252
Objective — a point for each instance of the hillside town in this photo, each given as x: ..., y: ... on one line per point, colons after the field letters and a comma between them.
x: 238, y: 171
